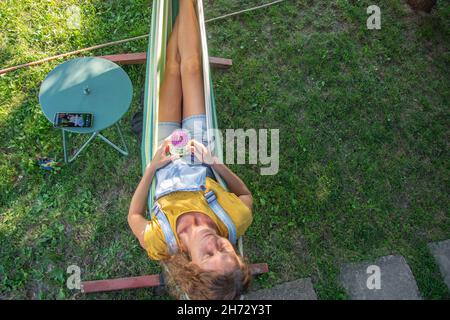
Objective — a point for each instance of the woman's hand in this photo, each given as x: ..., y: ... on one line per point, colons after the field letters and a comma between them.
x: 162, y: 156
x: 202, y: 153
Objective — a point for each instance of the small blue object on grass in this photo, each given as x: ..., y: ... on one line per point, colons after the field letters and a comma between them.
x: 48, y: 164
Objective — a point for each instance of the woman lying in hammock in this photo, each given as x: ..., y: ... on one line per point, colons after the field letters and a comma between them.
x: 196, y: 222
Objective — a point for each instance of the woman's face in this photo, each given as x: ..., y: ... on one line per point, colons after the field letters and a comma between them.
x: 212, y: 252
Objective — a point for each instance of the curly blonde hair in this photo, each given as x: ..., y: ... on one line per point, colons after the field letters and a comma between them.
x: 184, y: 276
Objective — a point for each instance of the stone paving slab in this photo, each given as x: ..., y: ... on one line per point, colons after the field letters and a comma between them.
x: 396, y: 280
x: 301, y: 289
x: 441, y: 253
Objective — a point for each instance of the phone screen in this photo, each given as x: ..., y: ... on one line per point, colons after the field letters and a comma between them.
x: 73, y: 120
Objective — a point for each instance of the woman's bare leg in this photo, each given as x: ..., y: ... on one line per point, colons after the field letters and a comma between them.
x: 189, y: 45
x: 170, y: 96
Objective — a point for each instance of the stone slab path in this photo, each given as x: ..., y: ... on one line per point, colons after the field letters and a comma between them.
x: 441, y: 253
x: 301, y: 289
x: 396, y: 281
x: 386, y: 278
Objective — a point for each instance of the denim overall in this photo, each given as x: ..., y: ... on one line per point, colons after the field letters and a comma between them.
x: 187, y: 174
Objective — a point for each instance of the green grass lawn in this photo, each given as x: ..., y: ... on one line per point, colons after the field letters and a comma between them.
x: 363, y: 118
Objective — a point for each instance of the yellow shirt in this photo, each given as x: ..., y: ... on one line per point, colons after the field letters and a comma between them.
x: 177, y: 203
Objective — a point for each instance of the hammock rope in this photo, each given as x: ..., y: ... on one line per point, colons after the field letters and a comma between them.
x: 243, y: 11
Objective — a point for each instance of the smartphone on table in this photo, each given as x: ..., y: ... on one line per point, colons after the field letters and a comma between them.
x: 73, y: 120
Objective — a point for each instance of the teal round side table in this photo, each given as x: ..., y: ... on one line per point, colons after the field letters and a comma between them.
x: 88, y: 85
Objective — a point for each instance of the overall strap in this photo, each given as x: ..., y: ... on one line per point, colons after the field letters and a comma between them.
x: 222, y: 215
x: 166, y: 229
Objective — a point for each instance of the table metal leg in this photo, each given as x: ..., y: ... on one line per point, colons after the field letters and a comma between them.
x: 66, y: 157
x: 69, y: 159
x: 84, y: 146
x: 123, y: 151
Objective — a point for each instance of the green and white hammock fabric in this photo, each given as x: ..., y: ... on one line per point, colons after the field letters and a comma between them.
x: 164, y: 14
x: 163, y: 17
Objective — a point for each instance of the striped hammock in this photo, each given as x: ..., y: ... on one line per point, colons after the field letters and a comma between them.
x: 163, y: 18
